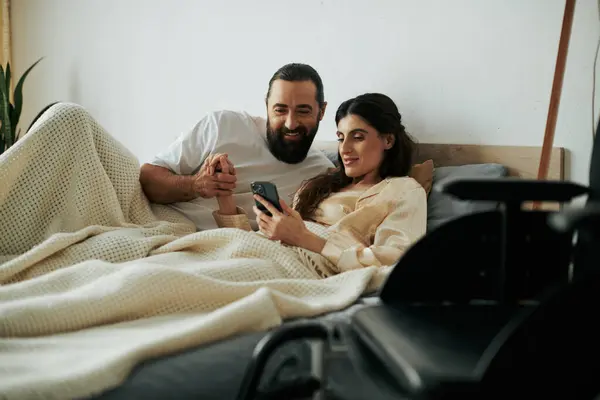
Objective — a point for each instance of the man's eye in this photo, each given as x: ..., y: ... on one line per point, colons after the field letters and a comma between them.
x: 279, y: 110
x: 358, y: 137
x: 304, y: 112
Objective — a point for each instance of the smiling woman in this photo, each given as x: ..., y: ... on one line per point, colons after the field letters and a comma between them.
x: 374, y: 145
x: 362, y: 148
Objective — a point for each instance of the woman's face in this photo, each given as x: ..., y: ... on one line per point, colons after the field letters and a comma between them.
x: 362, y: 148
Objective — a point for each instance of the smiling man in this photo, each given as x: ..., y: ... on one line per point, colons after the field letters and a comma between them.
x: 276, y: 149
x: 294, y: 113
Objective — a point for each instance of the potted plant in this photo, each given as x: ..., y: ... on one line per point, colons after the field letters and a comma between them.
x: 10, y: 112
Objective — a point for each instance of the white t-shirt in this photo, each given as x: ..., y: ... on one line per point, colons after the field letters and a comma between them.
x: 243, y: 138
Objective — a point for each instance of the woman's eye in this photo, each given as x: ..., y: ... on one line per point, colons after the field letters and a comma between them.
x: 358, y: 137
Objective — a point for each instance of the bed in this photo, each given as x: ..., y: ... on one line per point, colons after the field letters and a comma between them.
x: 215, y: 371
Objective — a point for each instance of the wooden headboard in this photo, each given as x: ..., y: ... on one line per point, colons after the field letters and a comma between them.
x: 521, y: 161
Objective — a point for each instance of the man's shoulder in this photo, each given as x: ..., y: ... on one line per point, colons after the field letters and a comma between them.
x: 226, y: 121
x: 232, y: 116
x: 316, y: 151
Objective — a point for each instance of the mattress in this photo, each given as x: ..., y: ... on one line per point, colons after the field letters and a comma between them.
x: 215, y: 371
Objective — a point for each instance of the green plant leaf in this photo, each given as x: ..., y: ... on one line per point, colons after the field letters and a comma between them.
x: 1, y: 113
x: 7, y: 79
x: 18, y: 94
x: 13, y: 125
x: 4, y: 111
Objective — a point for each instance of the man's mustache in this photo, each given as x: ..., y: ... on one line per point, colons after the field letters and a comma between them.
x: 300, y: 129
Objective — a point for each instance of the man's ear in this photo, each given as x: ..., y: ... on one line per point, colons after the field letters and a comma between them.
x: 390, y: 139
x: 322, y: 111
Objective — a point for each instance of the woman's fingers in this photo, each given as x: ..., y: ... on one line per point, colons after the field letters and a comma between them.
x: 225, y: 165
x: 260, y: 215
x: 220, y: 163
x: 231, y: 166
x: 272, y: 209
x: 288, y: 210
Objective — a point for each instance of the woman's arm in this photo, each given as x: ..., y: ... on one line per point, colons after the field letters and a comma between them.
x: 376, y: 234
x: 356, y: 242
x: 236, y: 219
x: 229, y: 215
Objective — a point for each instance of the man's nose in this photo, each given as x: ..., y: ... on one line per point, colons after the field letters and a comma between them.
x: 291, y: 122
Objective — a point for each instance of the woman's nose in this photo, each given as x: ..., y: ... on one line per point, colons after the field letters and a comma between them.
x: 345, y: 147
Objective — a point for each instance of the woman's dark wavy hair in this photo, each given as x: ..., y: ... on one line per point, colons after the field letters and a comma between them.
x: 379, y: 111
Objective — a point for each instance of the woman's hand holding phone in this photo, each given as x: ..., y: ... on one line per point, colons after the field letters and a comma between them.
x: 286, y: 225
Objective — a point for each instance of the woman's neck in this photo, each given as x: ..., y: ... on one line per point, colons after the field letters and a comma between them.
x: 370, y: 179
x: 359, y: 183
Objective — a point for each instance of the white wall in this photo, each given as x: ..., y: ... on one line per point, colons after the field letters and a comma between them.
x: 462, y: 71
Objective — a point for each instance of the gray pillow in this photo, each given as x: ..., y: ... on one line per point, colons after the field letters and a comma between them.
x: 442, y: 208
x: 332, y: 155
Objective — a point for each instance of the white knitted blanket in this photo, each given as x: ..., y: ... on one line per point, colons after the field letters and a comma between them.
x: 94, y: 279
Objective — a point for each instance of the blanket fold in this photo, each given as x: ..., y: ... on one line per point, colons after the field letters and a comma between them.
x: 95, y: 279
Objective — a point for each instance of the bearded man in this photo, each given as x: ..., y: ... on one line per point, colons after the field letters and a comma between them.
x: 198, y: 166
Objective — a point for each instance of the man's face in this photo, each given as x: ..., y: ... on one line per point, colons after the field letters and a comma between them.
x: 293, y: 119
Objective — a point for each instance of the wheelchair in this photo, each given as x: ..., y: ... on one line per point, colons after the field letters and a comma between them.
x: 491, y: 305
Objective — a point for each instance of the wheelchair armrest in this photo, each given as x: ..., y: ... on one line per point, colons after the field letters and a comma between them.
x: 575, y: 218
x: 511, y: 190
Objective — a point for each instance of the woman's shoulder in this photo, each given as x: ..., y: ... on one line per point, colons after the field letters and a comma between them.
x: 403, y: 191
x: 403, y: 183
x: 392, y: 190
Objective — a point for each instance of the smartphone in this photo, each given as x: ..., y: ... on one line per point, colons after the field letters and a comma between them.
x: 267, y: 191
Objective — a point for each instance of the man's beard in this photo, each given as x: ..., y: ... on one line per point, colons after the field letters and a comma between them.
x: 290, y: 151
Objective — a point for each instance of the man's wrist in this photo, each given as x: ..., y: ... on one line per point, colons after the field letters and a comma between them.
x: 186, y: 185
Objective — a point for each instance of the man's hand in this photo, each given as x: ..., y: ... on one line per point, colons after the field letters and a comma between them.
x: 220, y: 163
x: 209, y: 183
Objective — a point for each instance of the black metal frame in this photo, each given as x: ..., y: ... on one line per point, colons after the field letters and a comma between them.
x: 568, y: 303
x: 264, y: 350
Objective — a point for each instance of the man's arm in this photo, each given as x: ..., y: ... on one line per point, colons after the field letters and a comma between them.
x: 163, y: 186
x: 174, y: 177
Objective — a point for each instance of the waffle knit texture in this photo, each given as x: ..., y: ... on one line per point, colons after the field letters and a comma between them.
x: 94, y: 279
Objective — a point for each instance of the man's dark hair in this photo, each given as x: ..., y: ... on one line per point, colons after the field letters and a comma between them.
x: 296, y: 72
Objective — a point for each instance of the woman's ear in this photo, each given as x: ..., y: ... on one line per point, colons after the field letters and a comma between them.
x: 389, y: 140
